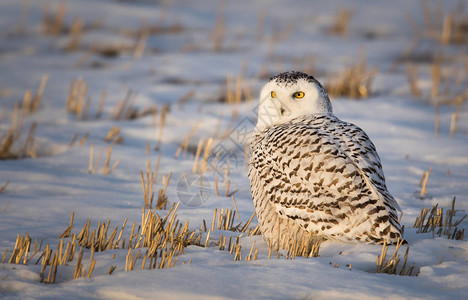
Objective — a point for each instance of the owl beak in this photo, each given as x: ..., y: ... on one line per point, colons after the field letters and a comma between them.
x: 282, y: 110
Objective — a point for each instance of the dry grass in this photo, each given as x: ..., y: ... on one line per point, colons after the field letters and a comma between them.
x: 125, y: 110
x: 186, y: 97
x: 155, y: 29
x: 113, y: 136
x: 354, y: 82
x: 200, y: 163
x: 77, y: 101
x: 423, y: 183
x: 220, y: 28
x: 162, y: 198
x: 341, y: 23
x: 148, y: 194
x: 444, y: 27
x: 223, y: 219
x: 10, y: 142
x: 307, y: 247
x: 164, y: 238
x: 389, y: 266
x: 185, y: 142
x: 83, y: 139
x: 9, y: 148
x: 141, y: 44
x: 53, y: 21
x: 3, y: 188
x: 21, y: 250
x: 412, y: 78
x: 112, y: 50
x: 23, y: 20
x: 436, y: 120
x: 449, y: 72
x: 94, y: 164
x: 148, y: 184
x: 21, y: 254
x: 455, y: 28
x: 76, y: 32
x: 433, y: 220
x: 98, y: 239
x: 101, y: 104
x: 449, y: 80
x: 31, y: 103
x: 157, y: 242
x: 236, y: 90
x: 81, y: 142
x: 235, y: 206
x: 453, y: 126
x: 436, y: 77
x: 162, y: 122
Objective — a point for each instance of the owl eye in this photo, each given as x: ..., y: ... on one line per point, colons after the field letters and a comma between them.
x: 273, y: 94
x: 298, y: 95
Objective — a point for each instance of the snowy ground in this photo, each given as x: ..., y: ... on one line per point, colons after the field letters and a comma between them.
x: 182, y: 51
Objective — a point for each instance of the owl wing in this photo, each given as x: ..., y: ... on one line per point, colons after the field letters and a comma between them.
x: 359, y: 148
x: 326, y: 175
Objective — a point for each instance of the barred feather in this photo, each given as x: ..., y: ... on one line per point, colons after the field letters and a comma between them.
x: 317, y: 176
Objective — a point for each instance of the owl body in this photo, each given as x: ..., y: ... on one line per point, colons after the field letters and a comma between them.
x: 313, y: 175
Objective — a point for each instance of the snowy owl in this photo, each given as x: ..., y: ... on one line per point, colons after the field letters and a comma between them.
x: 313, y: 175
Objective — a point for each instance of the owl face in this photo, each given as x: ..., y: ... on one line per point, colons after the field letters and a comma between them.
x: 290, y: 95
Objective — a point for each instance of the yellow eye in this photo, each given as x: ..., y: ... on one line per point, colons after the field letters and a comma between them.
x: 298, y: 95
x: 273, y: 94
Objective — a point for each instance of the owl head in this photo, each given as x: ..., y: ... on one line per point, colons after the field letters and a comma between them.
x: 289, y: 95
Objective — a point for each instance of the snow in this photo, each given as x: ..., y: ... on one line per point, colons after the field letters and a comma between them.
x: 43, y: 191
